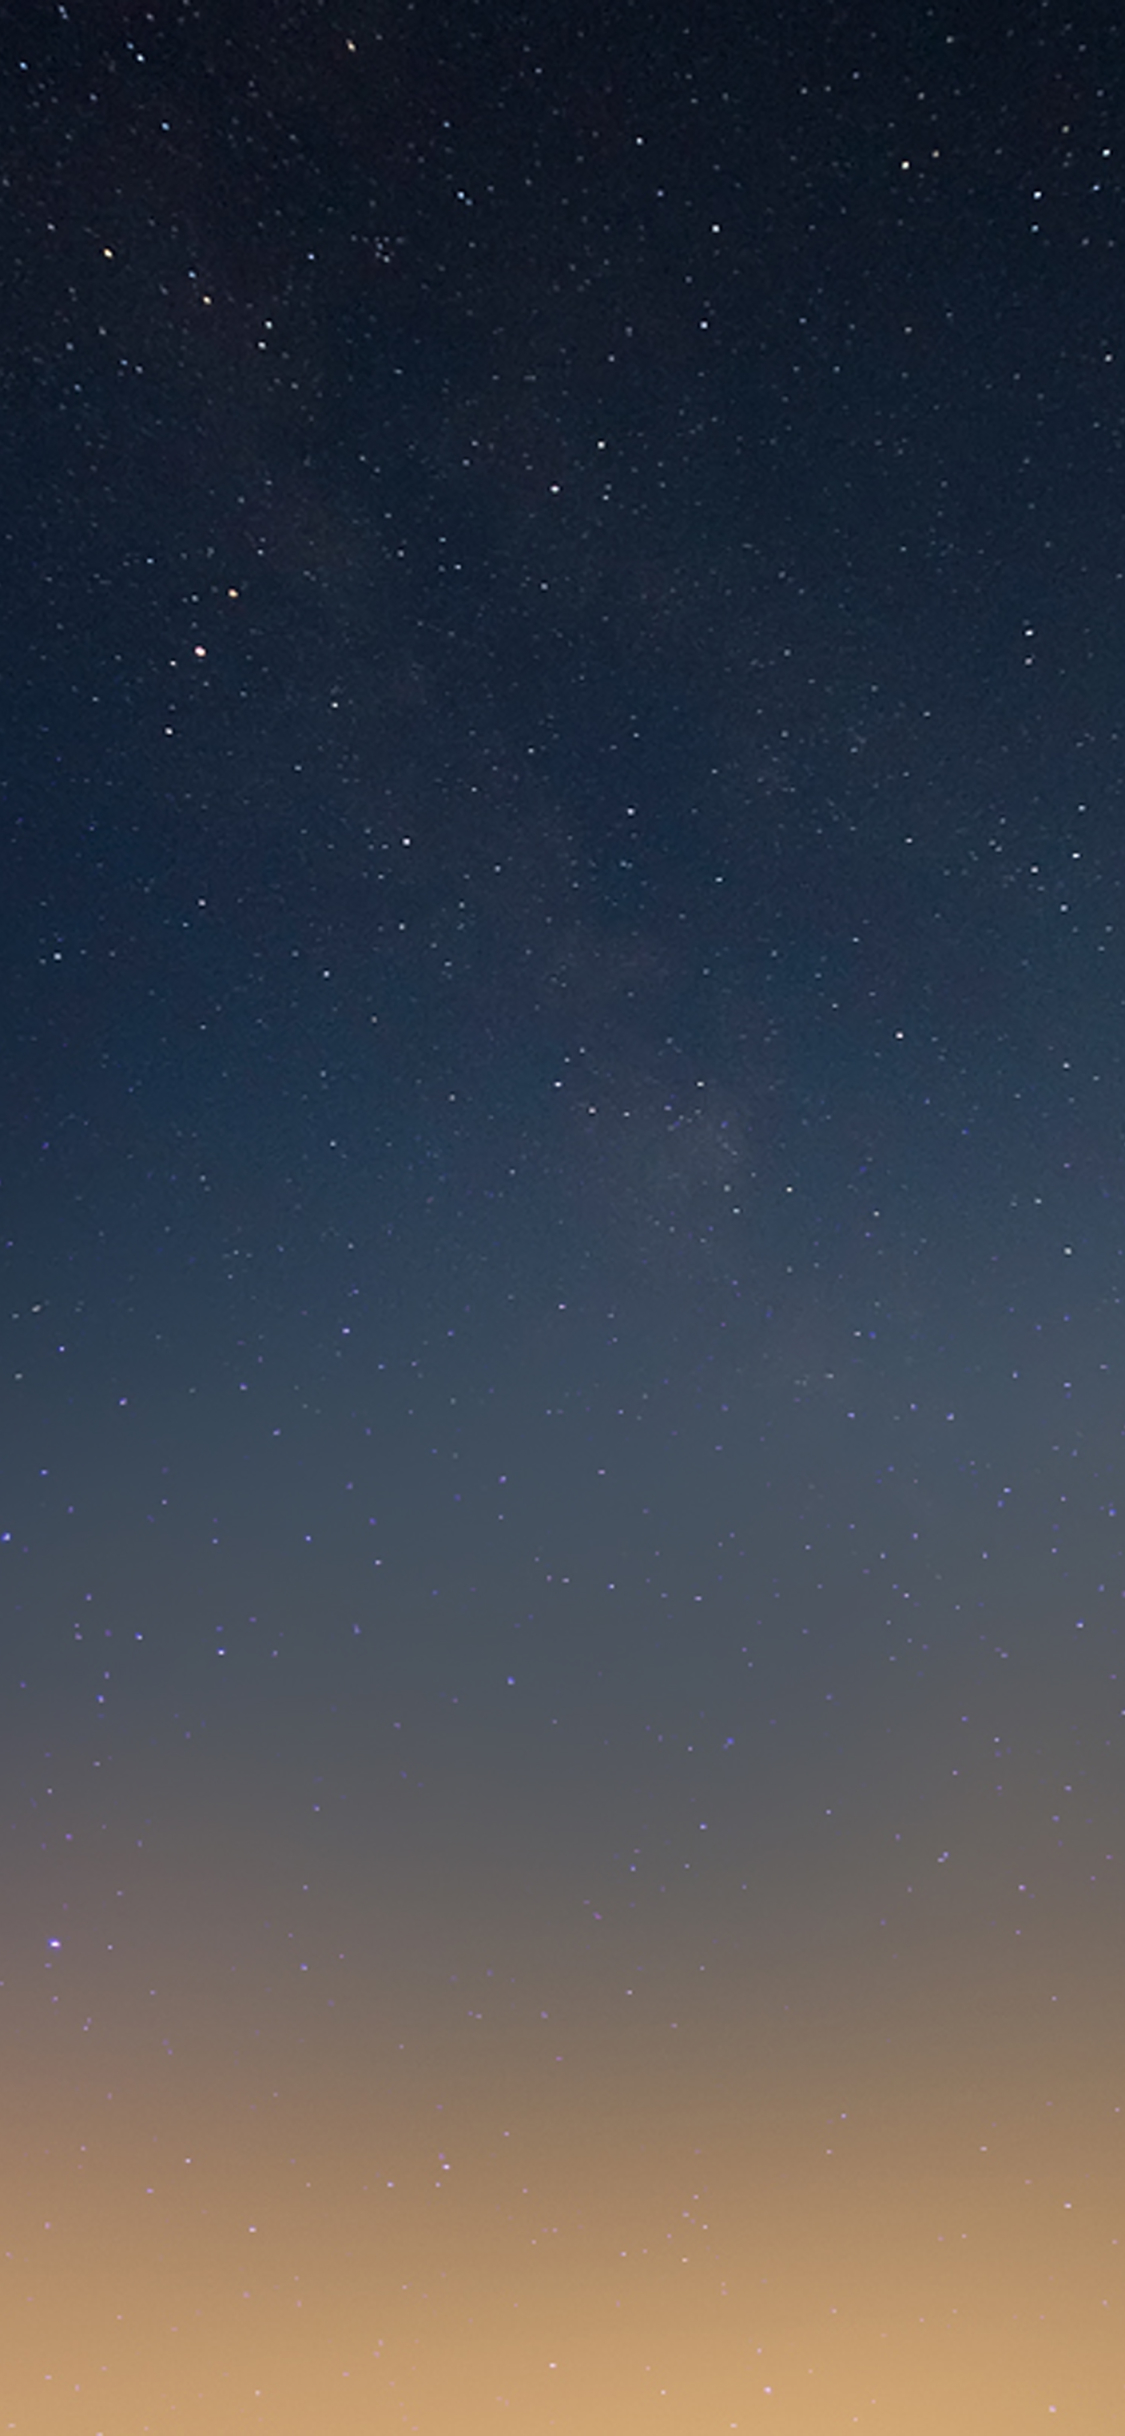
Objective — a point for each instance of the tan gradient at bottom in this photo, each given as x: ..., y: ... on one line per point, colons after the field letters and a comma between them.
x: 432, y: 2137
x: 812, y: 2238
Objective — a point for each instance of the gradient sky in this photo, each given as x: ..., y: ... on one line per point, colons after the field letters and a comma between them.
x: 562, y: 1703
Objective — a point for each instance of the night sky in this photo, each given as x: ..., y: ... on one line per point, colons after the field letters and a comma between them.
x: 562, y: 1192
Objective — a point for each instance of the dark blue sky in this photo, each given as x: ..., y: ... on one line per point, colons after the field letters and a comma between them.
x: 562, y: 1165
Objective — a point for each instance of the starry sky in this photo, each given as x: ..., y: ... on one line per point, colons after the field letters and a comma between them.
x: 561, y: 1679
